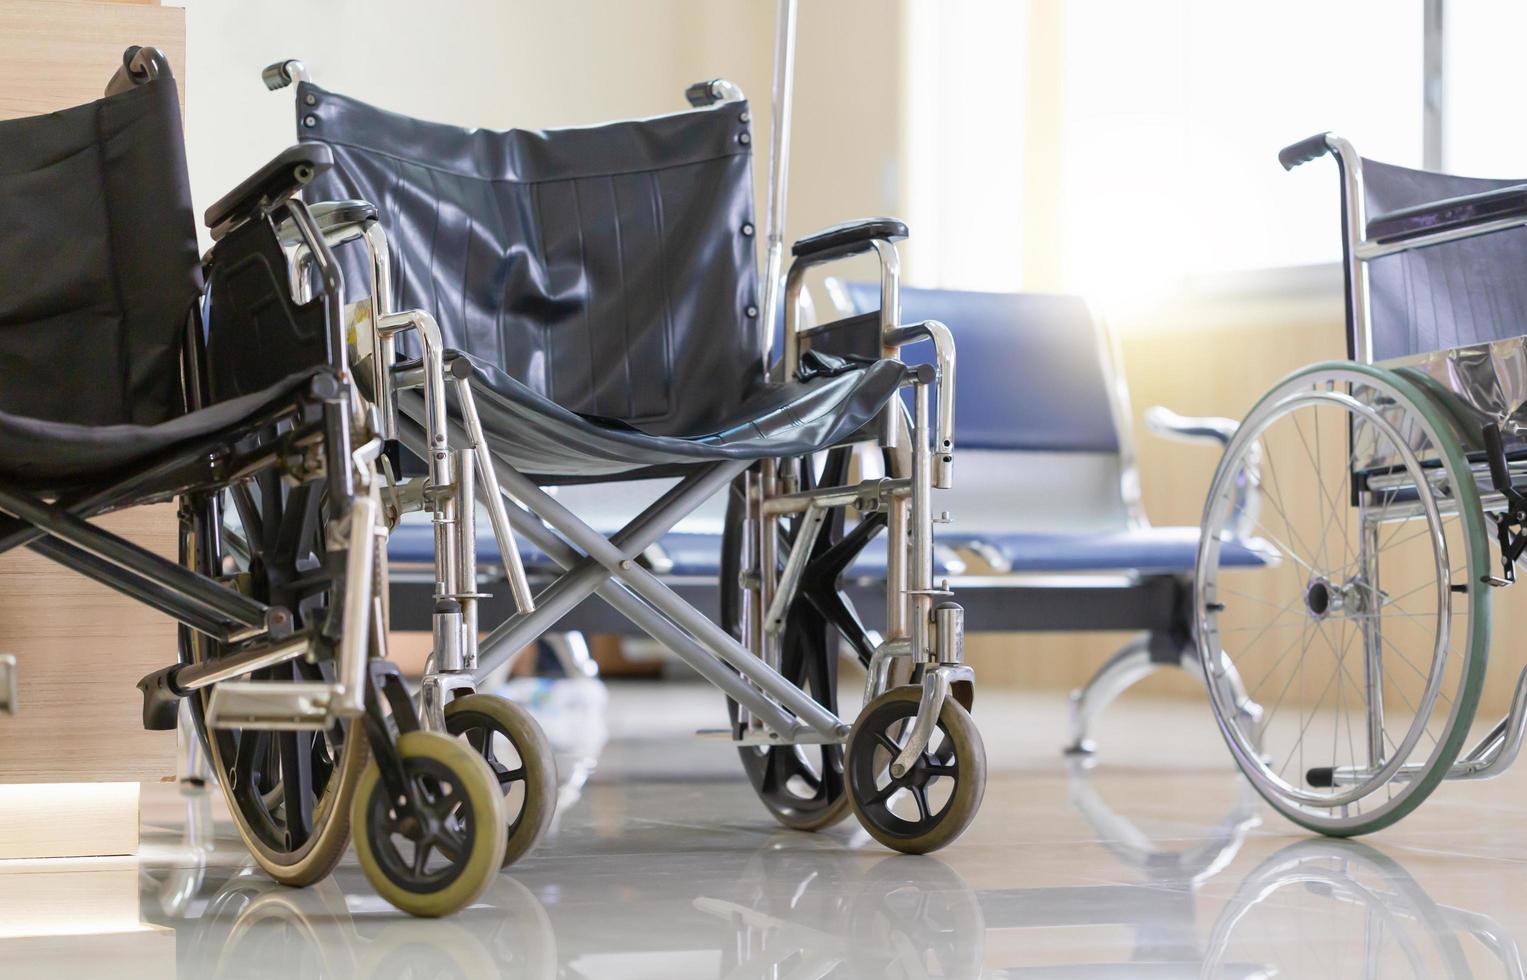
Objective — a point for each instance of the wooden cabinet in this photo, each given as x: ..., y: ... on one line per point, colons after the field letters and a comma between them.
x: 80, y: 647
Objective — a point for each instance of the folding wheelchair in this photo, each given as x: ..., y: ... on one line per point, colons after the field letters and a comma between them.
x: 599, y: 318
x: 134, y: 373
x: 1379, y: 479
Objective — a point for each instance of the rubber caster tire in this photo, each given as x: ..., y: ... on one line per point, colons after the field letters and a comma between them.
x: 529, y: 789
x: 955, y: 755
x: 459, y: 791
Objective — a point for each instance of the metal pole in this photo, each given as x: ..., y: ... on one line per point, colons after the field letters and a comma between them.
x: 779, y: 170
x: 1432, y: 86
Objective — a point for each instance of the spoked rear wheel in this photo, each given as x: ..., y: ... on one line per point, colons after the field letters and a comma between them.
x: 288, y: 791
x: 1366, y: 642
x: 801, y: 785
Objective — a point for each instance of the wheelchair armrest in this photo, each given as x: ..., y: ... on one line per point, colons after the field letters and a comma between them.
x: 269, y: 186
x: 1450, y: 215
x: 340, y: 222
x: 1164, y: 422
x: 848, y: 238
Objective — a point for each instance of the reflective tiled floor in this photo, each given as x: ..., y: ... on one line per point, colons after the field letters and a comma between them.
x: 1155, y: 863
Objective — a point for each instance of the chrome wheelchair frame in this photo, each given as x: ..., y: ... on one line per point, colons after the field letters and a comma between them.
x: 922, y: 633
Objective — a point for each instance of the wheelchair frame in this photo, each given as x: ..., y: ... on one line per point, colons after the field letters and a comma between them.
x: 775, y: 710
x: 1495, y: 752
x: 1475, y: 433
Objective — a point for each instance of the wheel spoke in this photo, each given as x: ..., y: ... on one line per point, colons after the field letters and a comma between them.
x: 422, y: 847
x: 920, y: 796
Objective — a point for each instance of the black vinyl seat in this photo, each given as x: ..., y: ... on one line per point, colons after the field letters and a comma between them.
x: 103, y: 279
x: 548, y: 441
x: 46, y: 456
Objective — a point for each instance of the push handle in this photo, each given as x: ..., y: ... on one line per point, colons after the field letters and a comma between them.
x: 711, y: 91
x: 283, y: 73
x: 1307, y: 149
x: 140, y: 65
x: 1495, y: 453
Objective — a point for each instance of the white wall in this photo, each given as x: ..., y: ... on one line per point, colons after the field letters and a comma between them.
x: 539, y: 63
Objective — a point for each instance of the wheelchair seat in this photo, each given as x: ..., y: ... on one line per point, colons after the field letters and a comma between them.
x: 47, y: 456
x: 112, y: 280
x: 551, y: 442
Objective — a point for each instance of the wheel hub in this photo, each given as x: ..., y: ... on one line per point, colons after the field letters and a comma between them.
x: 1322, y: 599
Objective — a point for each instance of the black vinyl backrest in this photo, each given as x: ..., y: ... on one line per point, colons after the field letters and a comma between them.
x: 610, y: 268
x: 1443, y: 296
x: 98, y: 260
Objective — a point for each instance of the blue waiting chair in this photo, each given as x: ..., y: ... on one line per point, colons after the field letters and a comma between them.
x: 1047, y: 500
x: 1049, y: 496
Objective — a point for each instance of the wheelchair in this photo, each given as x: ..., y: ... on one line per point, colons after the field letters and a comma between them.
x: 1379, y: 478
x: 601, y: 320
x: 135, y: 374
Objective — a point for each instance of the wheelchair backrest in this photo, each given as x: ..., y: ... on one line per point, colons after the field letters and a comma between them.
x: 1443, y: 296
x: 98, y: 260
x: 1041, y: 414
x: 610, y: 268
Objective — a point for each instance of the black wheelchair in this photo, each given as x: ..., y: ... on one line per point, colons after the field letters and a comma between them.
x: 599, y: 318
x: 137, y: 373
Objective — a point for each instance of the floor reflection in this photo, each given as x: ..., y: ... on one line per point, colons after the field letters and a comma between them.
x: 1349, y: 909
x: 1116, y: 872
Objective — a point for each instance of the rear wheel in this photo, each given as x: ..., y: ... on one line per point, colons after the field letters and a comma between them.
x: 801, y: 785
x: 288, y: 791
x: 1366, y: 640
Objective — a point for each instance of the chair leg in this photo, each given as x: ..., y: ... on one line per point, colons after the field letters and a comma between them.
x: 191, y: 763
x: 572, y: 653
x: 1248, y: 713
x: 1122, y: 671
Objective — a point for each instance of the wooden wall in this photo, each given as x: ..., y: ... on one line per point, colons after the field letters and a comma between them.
x: 81, y: 647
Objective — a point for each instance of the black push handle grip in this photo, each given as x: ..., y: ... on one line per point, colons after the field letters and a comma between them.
x: 1310, y: 148
x: 1495, y: 453
x: 702, y: 94
x: 283, y: 73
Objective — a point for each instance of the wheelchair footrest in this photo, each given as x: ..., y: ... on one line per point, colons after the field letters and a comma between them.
x: 161, y: 699
x: 275, y: 705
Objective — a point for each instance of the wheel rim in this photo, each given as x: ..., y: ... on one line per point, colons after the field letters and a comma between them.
x: 802, y: 784
x: 498, y: 750
x: 423, y: 853
x: 914, y: 804
x: 269, y: 539
x: 1373, y: 516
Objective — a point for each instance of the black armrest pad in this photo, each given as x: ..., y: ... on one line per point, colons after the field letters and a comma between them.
x: 1449, y: 214
x: 850, y: 237
x: 276, y: 181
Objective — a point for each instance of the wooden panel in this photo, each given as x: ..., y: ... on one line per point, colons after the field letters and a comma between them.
x: 61, y: 53
x: 80, y: 648
x: 47, y: 820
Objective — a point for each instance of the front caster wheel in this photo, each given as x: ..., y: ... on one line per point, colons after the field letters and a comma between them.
x: 936, y: 799
x: 442, y: 858
x: 511, y: 742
